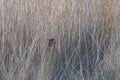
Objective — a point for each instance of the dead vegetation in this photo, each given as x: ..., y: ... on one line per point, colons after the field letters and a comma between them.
x: 87, y: 34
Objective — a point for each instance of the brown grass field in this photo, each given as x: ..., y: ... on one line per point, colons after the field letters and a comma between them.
x: 86, y: 32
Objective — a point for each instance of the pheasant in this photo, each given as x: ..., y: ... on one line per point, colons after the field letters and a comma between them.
x: 51, y: 43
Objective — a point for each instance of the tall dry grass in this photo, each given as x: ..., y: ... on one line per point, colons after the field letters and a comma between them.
x: 87, y: 34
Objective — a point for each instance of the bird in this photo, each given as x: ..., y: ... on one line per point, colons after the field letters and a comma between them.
x: 51, y: 43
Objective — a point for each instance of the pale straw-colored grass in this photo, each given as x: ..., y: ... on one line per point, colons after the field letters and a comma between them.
x: 87, y: 34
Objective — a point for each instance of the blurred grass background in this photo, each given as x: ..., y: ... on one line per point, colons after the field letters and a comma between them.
x: 87, y: 34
